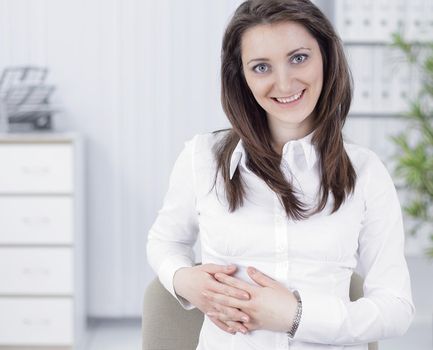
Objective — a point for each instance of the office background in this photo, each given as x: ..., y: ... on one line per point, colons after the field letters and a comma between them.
x: 136, y: 78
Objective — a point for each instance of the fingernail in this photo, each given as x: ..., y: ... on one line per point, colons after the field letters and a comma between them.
x: 231, y: 330
x: 246, y: 296
x: 211, y: 314
x: 230, y: 267
x: 244, y: 318
x: 243, y: 331
x: 204, y: 294
x: 253, y: 270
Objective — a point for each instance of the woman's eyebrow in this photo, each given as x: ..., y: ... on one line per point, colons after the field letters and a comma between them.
x: 288, y: 54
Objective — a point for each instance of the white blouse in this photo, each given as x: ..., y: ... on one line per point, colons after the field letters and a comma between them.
x: 316, y: 256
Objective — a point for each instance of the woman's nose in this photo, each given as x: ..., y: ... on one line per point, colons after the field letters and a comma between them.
x: 284, y: 80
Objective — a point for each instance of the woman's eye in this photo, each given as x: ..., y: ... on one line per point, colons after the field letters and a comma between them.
x: 261, y: 68
x: 299, y: 58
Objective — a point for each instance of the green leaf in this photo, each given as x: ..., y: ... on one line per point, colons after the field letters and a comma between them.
x: 429, y: 252
x: 428, y: 65
x: 403, y: 45
x: 416, y: 209
x: 401, y: 140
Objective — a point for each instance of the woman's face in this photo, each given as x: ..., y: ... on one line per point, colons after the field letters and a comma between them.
x: 283, y: 68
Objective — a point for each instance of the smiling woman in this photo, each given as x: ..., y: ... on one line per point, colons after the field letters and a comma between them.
x: 285, y: 209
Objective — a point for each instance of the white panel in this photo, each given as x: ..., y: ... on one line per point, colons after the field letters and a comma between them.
x: 36, y: 271
x: 36, y: 220
x: 392, y: 81
x: 375, y: 133
x: 106, y: 153
x: 36, y: 321
x: 14, y: 19
x: 375, y: 21
x: 384, y: 20
x: 415, y: 19
x: 35, y: 168
x: 362, y: 67
x: 354, y: 20
x: 36, y: 31
x: 357, y: 130
x: 126, y: 158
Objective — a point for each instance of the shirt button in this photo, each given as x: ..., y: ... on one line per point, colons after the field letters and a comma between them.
x: 285, y: 265
x: 280, y: 248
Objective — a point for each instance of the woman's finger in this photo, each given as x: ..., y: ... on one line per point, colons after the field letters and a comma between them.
x: 228, y: 326
x: 234, y: 282
x: 224, y: 299
x: 260, y: 278
x: 222, y: 288
x: 221, y: 325
x: 229, y: 313
x: 250, y: 326
x: 214, y: 268
x: 239, y: 327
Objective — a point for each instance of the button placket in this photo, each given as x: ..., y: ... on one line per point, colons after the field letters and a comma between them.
x: 281, y: 266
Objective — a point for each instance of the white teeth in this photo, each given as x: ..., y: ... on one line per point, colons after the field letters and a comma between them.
x: 290, y: 99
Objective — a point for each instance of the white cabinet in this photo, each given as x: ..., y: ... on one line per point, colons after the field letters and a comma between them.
x: 41, y: 242
x: 36, y: 220
x: 36, y: 322
x: 36, y: 168
x: 41, y: 271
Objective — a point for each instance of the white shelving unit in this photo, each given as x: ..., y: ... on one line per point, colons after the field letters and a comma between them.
x: 383, y: 82
x: 42, y: 302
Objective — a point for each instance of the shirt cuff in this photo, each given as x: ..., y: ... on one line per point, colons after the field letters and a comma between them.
x: 166, y: 273
x: 322, y: 316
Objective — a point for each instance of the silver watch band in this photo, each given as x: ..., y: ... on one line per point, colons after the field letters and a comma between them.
x: 298, y: 315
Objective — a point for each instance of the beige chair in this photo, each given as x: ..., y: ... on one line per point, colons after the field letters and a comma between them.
x: 167, y: 326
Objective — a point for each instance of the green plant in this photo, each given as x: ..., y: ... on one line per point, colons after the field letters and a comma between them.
x: 414, y: 155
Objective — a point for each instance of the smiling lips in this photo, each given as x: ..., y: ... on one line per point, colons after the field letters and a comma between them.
x: 290, y: 99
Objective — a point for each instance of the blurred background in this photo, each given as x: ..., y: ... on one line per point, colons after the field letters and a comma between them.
x: 97, y: 100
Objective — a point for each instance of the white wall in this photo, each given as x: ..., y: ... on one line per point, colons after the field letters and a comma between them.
x: 137, y: 78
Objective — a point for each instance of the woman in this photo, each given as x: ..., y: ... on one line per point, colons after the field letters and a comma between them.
x: 286, y: 210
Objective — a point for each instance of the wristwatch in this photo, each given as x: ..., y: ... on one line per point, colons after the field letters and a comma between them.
x: 292, y: 331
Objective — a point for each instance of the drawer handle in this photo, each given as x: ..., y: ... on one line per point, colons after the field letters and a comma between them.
x: 35, y: 169
x: 36, y: 322
x: 36, y: 220
x: 35, y: 271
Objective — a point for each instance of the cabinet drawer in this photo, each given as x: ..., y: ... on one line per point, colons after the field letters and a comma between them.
x: 36, y: 220
x: 36, y: 168
x: 36, y: 321
x: 36, y: 271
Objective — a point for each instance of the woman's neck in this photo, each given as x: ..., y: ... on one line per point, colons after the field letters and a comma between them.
x: 282, y: 135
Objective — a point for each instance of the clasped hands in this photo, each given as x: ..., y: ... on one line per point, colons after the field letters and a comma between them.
x: 235, y: 305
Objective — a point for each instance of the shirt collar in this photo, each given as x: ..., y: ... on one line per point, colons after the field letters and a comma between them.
x: 294, y: 151
x: 238, y: 157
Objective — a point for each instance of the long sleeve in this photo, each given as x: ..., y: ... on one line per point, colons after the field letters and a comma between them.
x: 387, y: 309
x: 173, y: 234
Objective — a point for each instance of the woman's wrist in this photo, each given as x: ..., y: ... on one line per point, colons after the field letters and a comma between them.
x: 177, y: 281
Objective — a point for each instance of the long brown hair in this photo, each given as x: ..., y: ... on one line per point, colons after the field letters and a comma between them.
x: 249, y: 121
